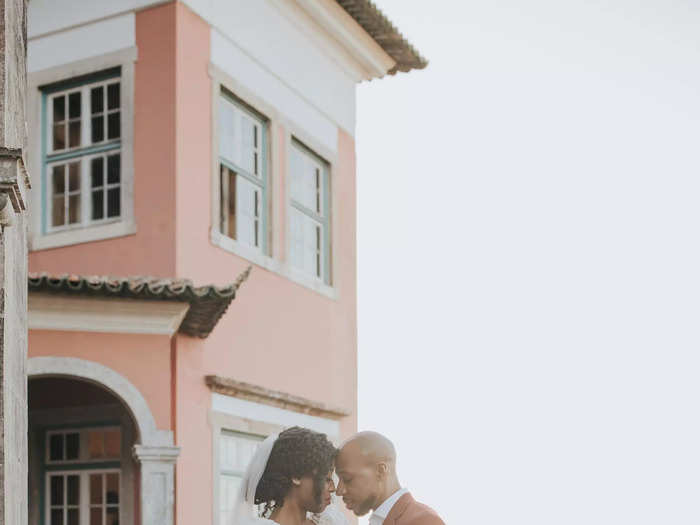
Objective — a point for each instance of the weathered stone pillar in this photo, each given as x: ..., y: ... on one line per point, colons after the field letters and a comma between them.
x: 157, y: 496
x: 14, y: 183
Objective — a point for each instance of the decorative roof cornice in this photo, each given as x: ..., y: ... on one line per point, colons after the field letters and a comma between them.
x: 378, y: 26
x: 258, y: 394
x: 207, y: 303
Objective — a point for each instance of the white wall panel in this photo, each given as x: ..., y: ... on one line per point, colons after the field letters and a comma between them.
x: 47, y: 16
x: 263, y: 32
x: 249, y: 73
x: 283, y: 45
x: 82, y: 42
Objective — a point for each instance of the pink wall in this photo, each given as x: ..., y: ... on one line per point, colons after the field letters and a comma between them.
x: 143, y: 359
x: 193, y: 193
x: 193, y: 118
x: 344, y: 323
x: 276, y: 334
x: 151, y: 250
x: 306, y: 323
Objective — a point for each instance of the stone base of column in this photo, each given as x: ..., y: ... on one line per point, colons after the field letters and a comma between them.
x: 157, y: 496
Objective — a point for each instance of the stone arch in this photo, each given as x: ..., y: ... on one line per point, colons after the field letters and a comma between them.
x: 155, y: 451
x: 107, y: 378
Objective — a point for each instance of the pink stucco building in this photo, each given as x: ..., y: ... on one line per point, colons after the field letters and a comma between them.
x: 189, y: 141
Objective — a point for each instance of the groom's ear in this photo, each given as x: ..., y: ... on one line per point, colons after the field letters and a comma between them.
x: 382, y: 469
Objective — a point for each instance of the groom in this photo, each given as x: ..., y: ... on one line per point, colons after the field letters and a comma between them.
x: 366, y: 468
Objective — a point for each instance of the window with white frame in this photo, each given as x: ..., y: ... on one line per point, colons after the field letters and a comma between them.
x: 83, y: 476
x: 236, y: 449
x: 82, y: 152
x: 242, y: 173
x: 309, y: 219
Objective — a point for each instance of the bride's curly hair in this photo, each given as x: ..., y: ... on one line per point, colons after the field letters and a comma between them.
x: 297, y: 452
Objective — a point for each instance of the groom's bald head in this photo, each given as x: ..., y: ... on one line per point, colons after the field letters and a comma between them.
x: 372, y: 447
x: 366, y: 468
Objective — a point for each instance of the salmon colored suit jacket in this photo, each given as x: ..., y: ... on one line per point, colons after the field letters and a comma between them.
x: 408, y: 511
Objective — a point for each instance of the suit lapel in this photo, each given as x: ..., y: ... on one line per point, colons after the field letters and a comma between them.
x: 398, y: 509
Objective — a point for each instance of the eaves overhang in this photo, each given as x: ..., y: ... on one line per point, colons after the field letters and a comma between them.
x: 127, y: 304
x: 384, y: 33
x: 374, y: 44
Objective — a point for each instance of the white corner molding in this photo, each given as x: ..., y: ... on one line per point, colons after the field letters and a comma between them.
x: 350, y: 35
x: 86, y: 314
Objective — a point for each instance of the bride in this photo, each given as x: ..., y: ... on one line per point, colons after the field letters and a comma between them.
x: 289, y: 481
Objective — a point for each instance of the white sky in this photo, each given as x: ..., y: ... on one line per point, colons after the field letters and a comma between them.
x: 529, y: 287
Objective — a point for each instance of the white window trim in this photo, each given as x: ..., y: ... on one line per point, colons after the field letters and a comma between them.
x: 277, y: 258
x: 272, y: 265
x: 222, y: 422
x: 126, y: 224
x: 260, y: 180
x: 296, y: 134
x: 261, y: 434
x: 326, y: 225
x: 248, y: 417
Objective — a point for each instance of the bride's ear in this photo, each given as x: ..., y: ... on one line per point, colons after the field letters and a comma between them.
x: 296, y: 482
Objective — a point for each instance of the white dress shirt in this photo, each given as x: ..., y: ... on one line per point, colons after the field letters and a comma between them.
x: 379, y: 515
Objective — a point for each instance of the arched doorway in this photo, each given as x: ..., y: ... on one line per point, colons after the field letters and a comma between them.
x: 96, y: 456
x: 81, y: 470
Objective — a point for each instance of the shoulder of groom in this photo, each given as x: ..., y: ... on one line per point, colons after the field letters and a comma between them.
x: 425, y: 515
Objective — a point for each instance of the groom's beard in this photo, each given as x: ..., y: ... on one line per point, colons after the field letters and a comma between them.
x: 360, y: 509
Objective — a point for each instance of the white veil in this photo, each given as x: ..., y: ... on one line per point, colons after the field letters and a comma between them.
x: 245, y: 511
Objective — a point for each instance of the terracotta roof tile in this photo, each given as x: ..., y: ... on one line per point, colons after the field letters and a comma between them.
x: 207, y: 303
x: 385, y: 34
